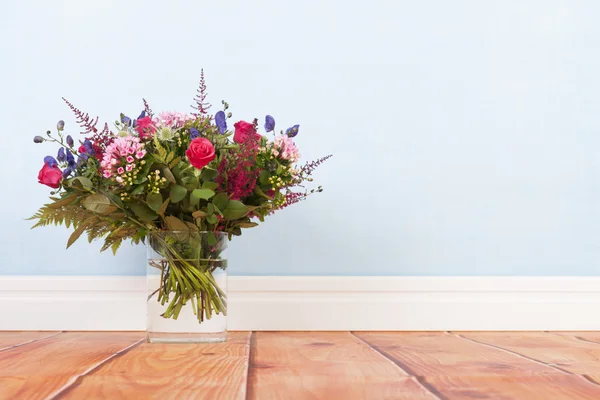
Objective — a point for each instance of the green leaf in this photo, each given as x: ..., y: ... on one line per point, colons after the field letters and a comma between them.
x: 155, y: 201
x: 210, y: 185
x: 203, y: 193
x: 235, y: 210
x: 175, y: 224
x: 212, y: 219
x: 210, y: 209
x: 142, y: 211
x: 261, y: 193
x: 208, y: 174
x: 163, y: 207
x: 199, y: 214
x: 221, y: 200
x: 175, y: 162
x: 191, y: 227
x: 279, y: 169
x: 139, y: 189
x: 80, y: 229
x: 216, y: 209
x: 177, y: 193
x: 81, y: 182
x: 247, y: 224
x: 212, y: 240
x: 170, y: 157
x: 142, y: 176
x: 98, y: 203
x: 168, y: 175
x: 263, y: 177
x: 161, y: 152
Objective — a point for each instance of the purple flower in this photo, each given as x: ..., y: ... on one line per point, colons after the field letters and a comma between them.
x: 293, y: 131
x: 61, y: 156
x: 70, y: 142
x: 70, y: 159
x: 142, y: 115
x: 194, y: 133
x: 66, y: 172
x: 89, y: 149
x: 60, y: 125
x: 38, y: 139
x: 51, y: 161
x: 269, y: 123
x: 125, y: 120
x: 221, y: 121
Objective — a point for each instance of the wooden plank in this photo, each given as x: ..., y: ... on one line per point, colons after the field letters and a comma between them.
x: 565, y: 352
x: 40, y: 369
x: 171, y: 371
x: 458, y: 368
x: 15, y: 338
x: 324, y: 365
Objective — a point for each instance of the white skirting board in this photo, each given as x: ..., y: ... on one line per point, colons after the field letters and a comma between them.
x: 317, y: 303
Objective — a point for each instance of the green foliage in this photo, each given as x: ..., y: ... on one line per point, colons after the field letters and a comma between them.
x: 177, y: 193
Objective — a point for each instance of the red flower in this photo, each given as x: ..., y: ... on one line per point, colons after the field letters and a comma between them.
x: 81, y: 149
x: 201, y: 152
x: 50, y: 176
x: 244, y: 131
x: 145, y: 128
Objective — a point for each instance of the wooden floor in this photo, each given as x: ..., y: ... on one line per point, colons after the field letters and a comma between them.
x: 303, y: 365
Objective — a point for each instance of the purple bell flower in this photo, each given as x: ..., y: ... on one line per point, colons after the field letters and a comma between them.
x: 221, y: 121
x: 70, y: 141
x: 269, y: 123
x: 67, y: 171
x: 194, y: 133
x: 38, y: 139
x: 60, y: 125
x: 293, y: 131
x: 71, y: 160
x: 61, y: 156
x: 51, y: 161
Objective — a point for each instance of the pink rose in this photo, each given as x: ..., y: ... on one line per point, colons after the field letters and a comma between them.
x: 145, y: 128
x: 201, y: 152
x: 50, y: 176
x: 244, y: 131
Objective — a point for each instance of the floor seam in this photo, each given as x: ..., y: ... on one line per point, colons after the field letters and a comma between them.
x: 553, y: 366
x: 76, y: 380
x: 420, y: 380
x: 31, y: 341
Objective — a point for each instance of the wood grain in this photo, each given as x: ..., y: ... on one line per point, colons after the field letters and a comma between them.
x: 565, y: 352
x: 462, y: 369
x: 324, y: 365
x: 12, y: 339
x: 40, y: 369
x: 172, y: 371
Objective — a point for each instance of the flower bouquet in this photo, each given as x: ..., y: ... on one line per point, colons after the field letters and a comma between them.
x: 182, y: 184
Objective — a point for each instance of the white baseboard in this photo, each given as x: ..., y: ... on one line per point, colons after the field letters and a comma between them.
x: 317, y: 303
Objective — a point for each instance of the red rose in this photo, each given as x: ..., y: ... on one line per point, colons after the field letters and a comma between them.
x: 244, y: 131
x: 145, y: 128
x: 201, y: 152
x: 50, y: 176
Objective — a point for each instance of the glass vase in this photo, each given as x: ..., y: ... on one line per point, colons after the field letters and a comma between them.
x: 187, y: 287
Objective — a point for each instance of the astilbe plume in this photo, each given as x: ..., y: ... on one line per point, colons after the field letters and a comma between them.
x: 236, y: 175
x: 201, y: 105
x: 103, y: 138
x: 83, y: 119
x: 147, y: 108
x: 309, y: 167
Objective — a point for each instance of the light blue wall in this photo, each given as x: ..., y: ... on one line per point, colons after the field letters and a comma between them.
x: 466, y: 133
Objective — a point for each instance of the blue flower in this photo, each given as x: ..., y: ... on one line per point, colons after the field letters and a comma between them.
x: 61, y: 156
x: 70, y: 142
x: 60, y: 125
x: 142, y: 115
x: 51, y: 161
x: 70, y: 159
x: 194, y: 133
x: 89, y: 149
x: 269, y: 123
x: 221, y: 121
x: 67, y: 172
x: 38, y: 139
x: 125, y: 120
x: 293, y: 131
